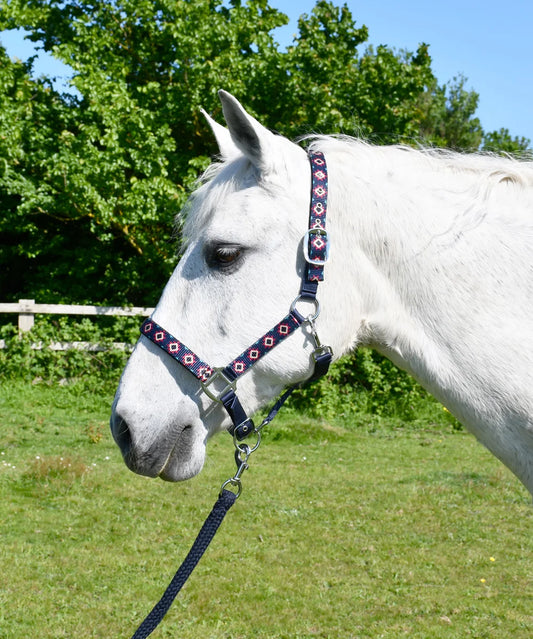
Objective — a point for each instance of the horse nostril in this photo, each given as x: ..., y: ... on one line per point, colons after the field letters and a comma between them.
x: 121, y: 434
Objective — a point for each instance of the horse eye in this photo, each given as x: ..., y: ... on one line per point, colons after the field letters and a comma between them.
x: 222, y: 256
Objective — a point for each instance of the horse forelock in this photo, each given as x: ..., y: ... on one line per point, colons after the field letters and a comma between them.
x: 218, y: 181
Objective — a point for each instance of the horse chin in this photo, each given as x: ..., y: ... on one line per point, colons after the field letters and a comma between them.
x: 176, y: 469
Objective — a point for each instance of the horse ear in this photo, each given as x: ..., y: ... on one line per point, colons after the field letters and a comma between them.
x: 226, y: 146
x: 251, y: 137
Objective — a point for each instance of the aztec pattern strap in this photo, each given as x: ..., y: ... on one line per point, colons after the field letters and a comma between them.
x: 176, y: 349
x: 202, y: 371
x: 265, y: 344
x: 317, y: 239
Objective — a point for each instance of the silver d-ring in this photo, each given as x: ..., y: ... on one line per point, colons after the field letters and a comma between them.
x: 244, y: 448
x: 236, y: 483
x: 311, y: 317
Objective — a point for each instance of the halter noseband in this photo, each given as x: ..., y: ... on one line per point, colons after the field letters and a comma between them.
x: 220, y: 383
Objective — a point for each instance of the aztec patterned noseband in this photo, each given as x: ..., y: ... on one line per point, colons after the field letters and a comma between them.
x: 220, y: 383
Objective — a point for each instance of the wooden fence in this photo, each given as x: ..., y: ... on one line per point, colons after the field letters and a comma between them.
x: 27, y: 309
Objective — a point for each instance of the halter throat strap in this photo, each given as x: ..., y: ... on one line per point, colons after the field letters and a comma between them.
x: 220, y: 383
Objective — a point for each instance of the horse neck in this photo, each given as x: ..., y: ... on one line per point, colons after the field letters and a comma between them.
x: 415, y: 248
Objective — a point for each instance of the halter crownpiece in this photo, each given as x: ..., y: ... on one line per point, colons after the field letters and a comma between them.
x: 220, y: 383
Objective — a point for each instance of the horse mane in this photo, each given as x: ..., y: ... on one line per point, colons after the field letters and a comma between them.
x: 481, y: 165
x: 477, y: 173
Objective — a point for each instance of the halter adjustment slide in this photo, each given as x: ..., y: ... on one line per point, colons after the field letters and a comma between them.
x: 221, y: 377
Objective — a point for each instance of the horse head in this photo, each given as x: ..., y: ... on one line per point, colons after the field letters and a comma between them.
x: 239, y: 271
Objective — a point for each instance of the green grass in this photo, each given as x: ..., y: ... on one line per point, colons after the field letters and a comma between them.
x: 374, y: 531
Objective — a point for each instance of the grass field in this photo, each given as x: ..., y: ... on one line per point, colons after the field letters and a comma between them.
x: 374, y: 531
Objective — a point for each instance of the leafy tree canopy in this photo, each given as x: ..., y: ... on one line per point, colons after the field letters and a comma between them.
x: 90, y: 185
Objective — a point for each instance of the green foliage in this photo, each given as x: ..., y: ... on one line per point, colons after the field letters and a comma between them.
x: 503, y: 142
x: 29, y: 356
x: 449, y: 117
x: 90, y: 185
x: 365, y: 383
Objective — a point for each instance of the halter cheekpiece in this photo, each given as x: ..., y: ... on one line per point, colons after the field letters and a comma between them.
x: 220, y: 383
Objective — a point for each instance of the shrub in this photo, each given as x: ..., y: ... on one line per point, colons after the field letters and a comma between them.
x: 366, y: 382
x: 29, y: 357
x: 363, y: 382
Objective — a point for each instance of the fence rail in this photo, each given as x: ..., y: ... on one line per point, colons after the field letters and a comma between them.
x: 28, y: 309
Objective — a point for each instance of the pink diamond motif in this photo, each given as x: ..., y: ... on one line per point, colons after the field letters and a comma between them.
x: 320, y: 191
x: 238, y: 367
x: 318, y: 243
x: 147, y: 328
x: 268, y: 342
x: 189, y: 360
x: 318, y: 209
x: 174, y: 347
x: 205, y: 373
x: 254, y: 354
x: 284, y: 329
x: 320, y: 175
x: 159, y: 336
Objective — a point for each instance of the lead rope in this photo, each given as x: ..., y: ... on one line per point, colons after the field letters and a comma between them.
x: 225, y: 501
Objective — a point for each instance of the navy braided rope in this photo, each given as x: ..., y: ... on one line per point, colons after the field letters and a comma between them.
x: 225, y: 501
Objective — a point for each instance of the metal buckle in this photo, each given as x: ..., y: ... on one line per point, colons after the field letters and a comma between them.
x: 307, y: 239
x: 220, y: 377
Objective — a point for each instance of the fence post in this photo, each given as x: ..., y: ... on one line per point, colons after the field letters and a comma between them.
x: 26, y: 315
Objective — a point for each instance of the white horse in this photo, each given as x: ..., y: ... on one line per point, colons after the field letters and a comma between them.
x: 431, y: 264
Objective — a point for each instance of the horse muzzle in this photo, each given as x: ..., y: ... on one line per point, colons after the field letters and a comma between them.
x: 175, y: 455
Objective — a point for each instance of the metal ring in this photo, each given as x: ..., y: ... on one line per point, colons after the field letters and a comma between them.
x: 244, y: 448
x: 227, y: 384
x: 233, y: 482
x: 310, y: 300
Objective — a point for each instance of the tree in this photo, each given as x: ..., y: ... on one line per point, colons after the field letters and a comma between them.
x: 502, y: 142
x: 448, y: 118
x: 106, y: 175
x: 91, y: 185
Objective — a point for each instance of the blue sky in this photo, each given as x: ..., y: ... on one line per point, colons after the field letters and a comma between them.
x: 489, y: 42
